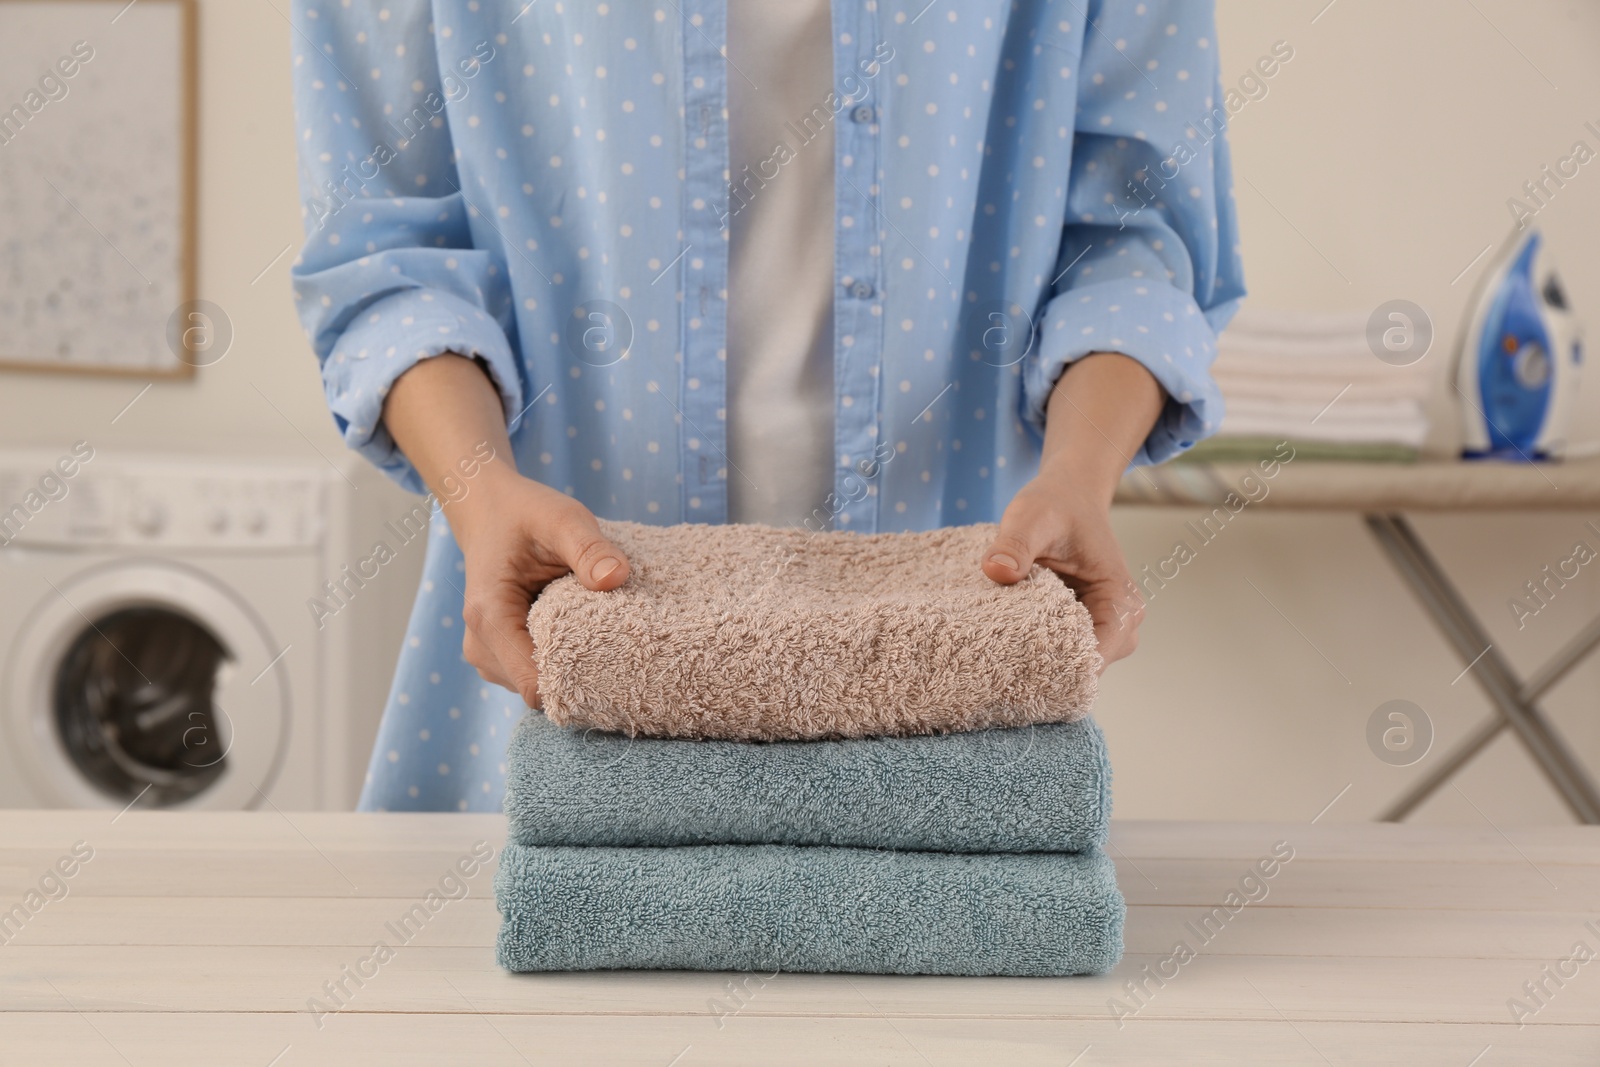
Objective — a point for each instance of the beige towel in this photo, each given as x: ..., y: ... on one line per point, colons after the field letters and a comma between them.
x: 758, y: 634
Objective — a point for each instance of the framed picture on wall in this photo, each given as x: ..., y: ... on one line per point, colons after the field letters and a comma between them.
x: 97, y: 186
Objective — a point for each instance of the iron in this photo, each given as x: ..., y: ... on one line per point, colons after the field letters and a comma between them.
x: 1517, y: 365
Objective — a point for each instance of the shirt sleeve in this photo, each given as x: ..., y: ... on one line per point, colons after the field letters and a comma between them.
x: 1149, y: 263
x: 388, y: 275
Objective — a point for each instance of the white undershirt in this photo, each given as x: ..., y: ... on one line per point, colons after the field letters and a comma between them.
x: 780, y: 262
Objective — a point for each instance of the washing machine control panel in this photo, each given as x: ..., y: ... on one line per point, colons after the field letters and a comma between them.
x: 167, y: 505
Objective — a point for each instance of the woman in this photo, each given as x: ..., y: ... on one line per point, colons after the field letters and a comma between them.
x: 879, y: 266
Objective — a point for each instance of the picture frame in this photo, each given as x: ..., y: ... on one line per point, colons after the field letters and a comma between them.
x: 98, y: 186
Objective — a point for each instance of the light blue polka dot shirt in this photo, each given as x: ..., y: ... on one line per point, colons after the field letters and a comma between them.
x: 545, y: 187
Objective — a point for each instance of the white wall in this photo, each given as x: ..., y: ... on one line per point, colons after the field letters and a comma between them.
x: 1388, y: 145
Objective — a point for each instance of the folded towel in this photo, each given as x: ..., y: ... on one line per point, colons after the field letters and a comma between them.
x: 1325, y: 372
x: 1320, y: 390
x: 1031, y: 789
x: 794, y: 908
x: 1291, y: 412
x: 1254, y: 321
x: 755, y: 633
x: 1409, y: 434
x: 1225, y: 449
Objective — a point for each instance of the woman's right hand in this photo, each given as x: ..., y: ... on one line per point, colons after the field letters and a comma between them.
x: 517, y: 536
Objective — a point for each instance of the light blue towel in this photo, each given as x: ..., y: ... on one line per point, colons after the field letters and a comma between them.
x: 801, y: 908
x: 1032, y: 789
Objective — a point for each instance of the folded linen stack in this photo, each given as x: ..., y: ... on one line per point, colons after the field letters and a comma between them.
x: 1313, y: 379
x: 951, y: 848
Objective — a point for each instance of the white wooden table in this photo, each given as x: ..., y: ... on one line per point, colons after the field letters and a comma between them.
x: 200, y: 938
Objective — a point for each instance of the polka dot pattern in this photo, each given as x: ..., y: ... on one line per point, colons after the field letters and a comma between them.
x: 540, y: 187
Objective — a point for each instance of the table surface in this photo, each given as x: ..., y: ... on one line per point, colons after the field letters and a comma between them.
x: 201, y: 938
x: 1313, y: 485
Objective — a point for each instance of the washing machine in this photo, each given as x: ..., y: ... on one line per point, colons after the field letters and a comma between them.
x: 158, y: 642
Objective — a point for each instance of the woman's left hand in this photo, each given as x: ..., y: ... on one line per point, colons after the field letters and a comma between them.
x: 1099, y: 413
x: 1070, y: 532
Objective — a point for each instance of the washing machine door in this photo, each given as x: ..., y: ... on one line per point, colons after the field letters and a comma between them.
x: 129, y: 686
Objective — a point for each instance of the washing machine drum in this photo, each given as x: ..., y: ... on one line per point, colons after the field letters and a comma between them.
x: 146, y: 682
x: 134, y: 705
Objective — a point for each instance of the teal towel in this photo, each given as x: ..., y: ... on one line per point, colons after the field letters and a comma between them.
x: 1040, y: 788
x: 798, y: 908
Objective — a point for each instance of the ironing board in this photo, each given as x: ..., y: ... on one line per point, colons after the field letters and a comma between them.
x: 1383, y: 493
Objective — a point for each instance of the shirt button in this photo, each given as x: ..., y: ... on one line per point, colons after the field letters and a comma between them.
x: 862, y: 113
x: 861, y: 290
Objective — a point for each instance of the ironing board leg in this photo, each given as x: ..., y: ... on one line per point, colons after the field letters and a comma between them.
x: 1571, y: 654
x: 1514, y: 702
x: 1444, y: 770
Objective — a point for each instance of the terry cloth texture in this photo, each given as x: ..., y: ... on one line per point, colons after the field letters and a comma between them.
x: 796, y: 908
x: 760, y: 634
x: 1030, y: 789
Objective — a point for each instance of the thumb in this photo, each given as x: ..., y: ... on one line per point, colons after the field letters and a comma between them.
x: 1009, y: 558
x: 1117, y: 610
x: 595, y: 561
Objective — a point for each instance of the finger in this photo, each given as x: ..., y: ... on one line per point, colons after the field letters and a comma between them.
x: 499, y: 621
x: 480, y: 659
x: 1117, y: 614
x: 595, y: 561
x: 1009, y: 558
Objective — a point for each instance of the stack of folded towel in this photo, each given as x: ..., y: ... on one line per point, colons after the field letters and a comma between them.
x: 1314, y: 380
x: 778, y: 751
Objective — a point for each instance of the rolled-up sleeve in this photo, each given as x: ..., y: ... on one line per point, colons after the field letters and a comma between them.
x: 1149, y: 262
x: 388, y: 275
